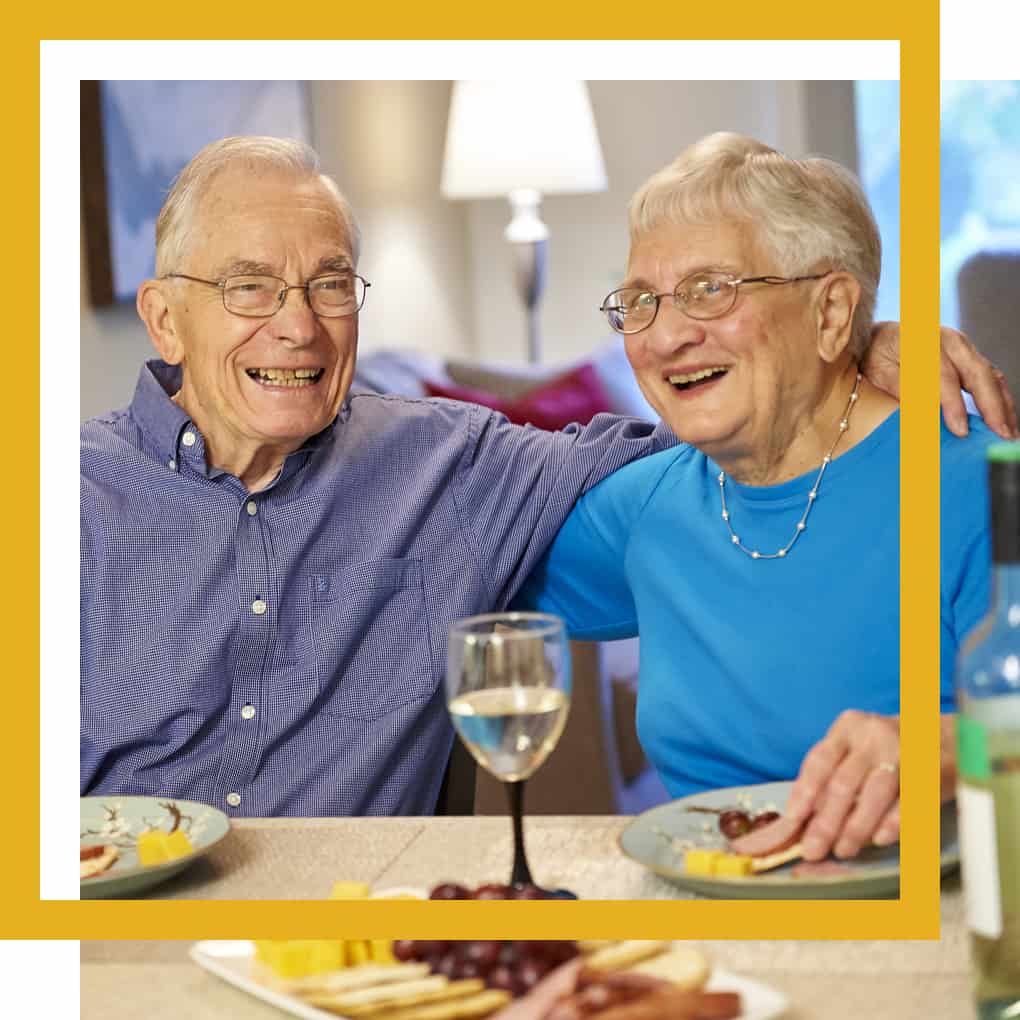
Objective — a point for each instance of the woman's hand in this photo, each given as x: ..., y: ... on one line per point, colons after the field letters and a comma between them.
x: 848, y: 789
x: 962, y: 368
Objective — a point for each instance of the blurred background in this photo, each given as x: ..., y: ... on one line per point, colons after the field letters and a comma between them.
x: 980, y: 222
x: 442, y: 274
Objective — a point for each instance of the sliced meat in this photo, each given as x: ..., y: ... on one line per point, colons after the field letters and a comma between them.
x: 769, y: 839
x: 821, y: 869
x: 677, y: 1004
x: 93, y: 865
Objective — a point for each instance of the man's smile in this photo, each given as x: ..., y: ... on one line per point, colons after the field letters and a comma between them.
x: 293, y: 377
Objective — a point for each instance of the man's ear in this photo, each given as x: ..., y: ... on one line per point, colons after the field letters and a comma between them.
x: 155, y: 312
x: 837, y: 303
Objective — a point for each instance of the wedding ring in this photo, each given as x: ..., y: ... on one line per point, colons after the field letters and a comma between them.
x: 887, y: 766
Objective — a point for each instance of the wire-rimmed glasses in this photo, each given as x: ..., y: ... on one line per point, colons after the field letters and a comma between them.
x: 332, y: 295
x: 704, y: 295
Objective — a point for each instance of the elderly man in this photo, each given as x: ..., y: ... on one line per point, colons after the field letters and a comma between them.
x: 269, y: 565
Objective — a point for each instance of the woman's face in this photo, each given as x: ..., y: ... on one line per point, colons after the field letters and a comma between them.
x: 761, y: 354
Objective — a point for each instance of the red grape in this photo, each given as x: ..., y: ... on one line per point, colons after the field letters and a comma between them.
x: 501, y: 977
x: 528, y: 892
x: 529, y: 973
x: 425, y: 949
x: 450, y: 891
x: 492, y: 891
x: 405, y: 949
x: 449, y: 965
x: 484, y: 954
x: 734, y: 823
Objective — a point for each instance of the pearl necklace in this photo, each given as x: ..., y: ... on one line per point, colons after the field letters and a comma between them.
x: 812, y: 495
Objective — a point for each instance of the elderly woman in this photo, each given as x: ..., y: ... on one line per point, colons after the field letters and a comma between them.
x: 761, y: 558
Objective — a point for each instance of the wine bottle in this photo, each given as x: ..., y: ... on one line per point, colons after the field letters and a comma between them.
x: 988, y: 749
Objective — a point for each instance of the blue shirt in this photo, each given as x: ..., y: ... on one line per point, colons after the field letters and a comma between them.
x: 283, y: 652
x: 744, y: 663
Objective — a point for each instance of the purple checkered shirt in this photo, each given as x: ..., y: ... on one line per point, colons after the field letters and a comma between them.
x: 282, y: 653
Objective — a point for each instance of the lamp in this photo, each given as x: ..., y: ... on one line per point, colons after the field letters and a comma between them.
x: 522, y: 139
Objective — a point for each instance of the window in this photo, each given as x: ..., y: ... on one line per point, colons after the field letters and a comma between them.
x: 980, y: 178
x: 878, y: 157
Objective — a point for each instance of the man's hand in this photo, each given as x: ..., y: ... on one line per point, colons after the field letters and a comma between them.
x: 848, y: 789
x: 962, y: 368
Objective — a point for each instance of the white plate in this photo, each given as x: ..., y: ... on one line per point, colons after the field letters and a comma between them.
x: 232, y: 961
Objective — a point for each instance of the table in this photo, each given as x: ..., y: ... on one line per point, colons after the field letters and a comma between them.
x: 918, y: 980
x: 257, y: 859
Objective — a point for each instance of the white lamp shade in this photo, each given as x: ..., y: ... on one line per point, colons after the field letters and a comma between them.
x: 511, y: 134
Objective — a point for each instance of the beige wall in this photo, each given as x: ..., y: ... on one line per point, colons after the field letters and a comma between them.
x: 440, y: 271
x: 642, y: 126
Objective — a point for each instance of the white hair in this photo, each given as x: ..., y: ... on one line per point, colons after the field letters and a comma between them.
x: 254, y: 153
x: 810, y: 214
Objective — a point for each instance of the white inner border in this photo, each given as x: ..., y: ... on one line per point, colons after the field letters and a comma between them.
x: 64, y: 63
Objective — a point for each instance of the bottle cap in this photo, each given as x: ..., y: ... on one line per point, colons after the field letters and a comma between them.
x: 1004, y: 452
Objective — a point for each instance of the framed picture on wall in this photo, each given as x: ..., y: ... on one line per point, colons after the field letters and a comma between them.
x: 136, y: 136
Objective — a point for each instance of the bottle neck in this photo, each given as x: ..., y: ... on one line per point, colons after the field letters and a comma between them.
x: 1006, y: 592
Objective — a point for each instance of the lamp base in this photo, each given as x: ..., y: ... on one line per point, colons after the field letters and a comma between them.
x: 529, y: 239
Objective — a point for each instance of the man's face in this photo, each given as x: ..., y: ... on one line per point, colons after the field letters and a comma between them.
x: 281, y: 226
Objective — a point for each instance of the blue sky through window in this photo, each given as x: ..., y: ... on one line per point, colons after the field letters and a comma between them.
x: 878, y: 154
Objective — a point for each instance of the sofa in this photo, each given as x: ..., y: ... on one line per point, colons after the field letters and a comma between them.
x: 598, y: 768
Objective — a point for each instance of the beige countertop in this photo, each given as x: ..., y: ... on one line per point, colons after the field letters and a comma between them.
x: 831, y: 980
x: 824, y: 980
x: 257, y: 858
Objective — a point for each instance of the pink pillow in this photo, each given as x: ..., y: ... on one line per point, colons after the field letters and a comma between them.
x: 576, y: 396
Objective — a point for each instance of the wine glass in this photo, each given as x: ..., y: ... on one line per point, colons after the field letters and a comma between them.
x: 508, y: 691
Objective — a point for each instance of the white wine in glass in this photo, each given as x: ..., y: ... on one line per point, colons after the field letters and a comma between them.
x: 508, y: 691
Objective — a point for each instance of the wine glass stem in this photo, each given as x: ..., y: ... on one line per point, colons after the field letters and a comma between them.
x: 521, y: 873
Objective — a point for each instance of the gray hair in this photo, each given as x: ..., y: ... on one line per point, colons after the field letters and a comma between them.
x: 810, y: 214
x: 252, y: 152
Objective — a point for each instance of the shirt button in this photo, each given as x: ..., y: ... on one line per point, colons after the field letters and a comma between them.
x: 248, y: 712
x: 172, y: 464
x: 188, y: 439
x: 258, y: 607
x: 233, y: 799
x: 251, y: 507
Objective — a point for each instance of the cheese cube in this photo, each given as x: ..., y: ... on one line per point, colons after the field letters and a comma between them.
x: 349, y: 891
x: 733, y: 865
x: 701, y: 862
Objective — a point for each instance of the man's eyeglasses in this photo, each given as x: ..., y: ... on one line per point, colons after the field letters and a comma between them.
x: 260, y: 297
x: 698, y: 296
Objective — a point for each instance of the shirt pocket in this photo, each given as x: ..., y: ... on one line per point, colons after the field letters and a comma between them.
x: 371, y: 636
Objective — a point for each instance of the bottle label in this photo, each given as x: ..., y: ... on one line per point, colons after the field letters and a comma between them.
x: 979, y: 860
x: 972, y: 747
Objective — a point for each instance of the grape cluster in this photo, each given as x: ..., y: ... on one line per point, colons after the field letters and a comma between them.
x: 514, y: 967
x: 492, y: 891
x: 738, y: 823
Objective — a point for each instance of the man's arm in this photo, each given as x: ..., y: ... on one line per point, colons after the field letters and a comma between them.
x: 516, y: 486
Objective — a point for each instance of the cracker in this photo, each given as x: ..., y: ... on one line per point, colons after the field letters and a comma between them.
x: 350, y: 979
x: 780, y: 857
x: 469, y: 1008
x: 387, y: 992
x: 684, y: 966
x: 622, y: 955
x: 451, y: 991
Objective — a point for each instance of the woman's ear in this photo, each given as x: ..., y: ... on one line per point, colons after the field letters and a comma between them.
x: 155, y: 312
x: 837, y: 302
